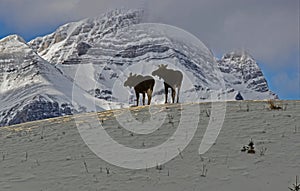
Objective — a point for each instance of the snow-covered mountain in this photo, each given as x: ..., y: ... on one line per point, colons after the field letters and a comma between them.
x: 96, y: 55
x: 31, y: 88
x: 27, y: 86
x: 73, y: 40
x: 109, y: 55
x: 242, y: 73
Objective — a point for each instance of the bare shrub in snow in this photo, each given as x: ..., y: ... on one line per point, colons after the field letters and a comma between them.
x: 296, y: 186
x: 272, y: 105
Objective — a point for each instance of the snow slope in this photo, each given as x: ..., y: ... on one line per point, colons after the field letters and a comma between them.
x: 31, y: 88
x: 51, y: 155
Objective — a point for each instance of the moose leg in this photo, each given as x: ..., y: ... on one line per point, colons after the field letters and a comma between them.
x: 149, y: 95
x: 173, y: 95
x: 178, y: 90
x: 137, y: 98
x: 144, y: 95
x: 166, y: 93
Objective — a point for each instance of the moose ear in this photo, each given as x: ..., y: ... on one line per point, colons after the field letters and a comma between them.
x: 130, y: 74
x: 165, y: 66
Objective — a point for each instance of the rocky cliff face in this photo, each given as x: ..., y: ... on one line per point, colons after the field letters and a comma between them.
x: 95, y: 55
x: 73, y: 39
x: 241, y: 72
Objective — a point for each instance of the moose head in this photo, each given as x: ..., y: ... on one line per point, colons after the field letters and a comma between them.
x: 131, y: 80
x: 161, y: 71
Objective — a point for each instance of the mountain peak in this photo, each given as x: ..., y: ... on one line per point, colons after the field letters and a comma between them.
x: 244, y: 73
x: 237, y: 54
x: 72, y: 36
x: 119, y: 12
x: 13, y: 44
x: 13, y: 37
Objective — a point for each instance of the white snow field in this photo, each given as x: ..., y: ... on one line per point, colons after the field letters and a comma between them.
x: 51, y: 155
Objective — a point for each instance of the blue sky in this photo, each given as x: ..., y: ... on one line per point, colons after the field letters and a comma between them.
x: 268, y: 29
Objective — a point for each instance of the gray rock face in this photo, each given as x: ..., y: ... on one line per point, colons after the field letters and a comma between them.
x: 82, y: 48
x: 38, y: 109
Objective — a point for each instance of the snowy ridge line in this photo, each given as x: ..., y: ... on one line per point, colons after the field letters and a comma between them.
x: 141, y: 107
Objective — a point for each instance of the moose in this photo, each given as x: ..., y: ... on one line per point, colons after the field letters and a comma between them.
x: 141, y: 84
x: 172, y: 79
